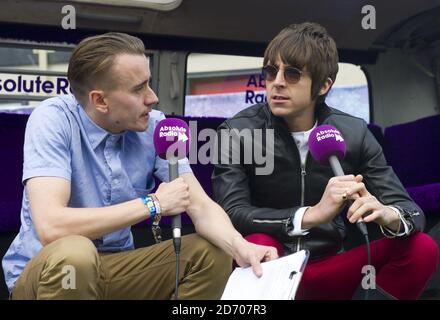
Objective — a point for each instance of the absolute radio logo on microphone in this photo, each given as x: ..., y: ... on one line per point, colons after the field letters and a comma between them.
x: 174, y: 131
x: 329, y: 133
x: 171, y: 138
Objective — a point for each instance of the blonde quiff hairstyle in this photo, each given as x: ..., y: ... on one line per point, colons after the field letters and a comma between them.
x: 92, y: 60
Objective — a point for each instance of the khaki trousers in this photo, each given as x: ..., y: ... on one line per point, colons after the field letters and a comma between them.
x: 72, y: 268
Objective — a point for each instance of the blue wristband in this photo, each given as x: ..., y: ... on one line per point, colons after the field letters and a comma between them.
x: 149, y: 203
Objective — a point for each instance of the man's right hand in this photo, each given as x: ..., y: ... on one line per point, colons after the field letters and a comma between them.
x: 173, y: 197
x: 332, y: 200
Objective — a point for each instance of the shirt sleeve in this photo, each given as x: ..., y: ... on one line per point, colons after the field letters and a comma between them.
x: 406, y: 230
x: 47, y: 144
x: 297, y: 222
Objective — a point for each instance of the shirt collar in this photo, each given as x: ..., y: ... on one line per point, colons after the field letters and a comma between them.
x: 305, y: 134
x: 95, y: 133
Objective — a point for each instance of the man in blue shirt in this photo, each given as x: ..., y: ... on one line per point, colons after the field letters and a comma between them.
x: 89, y: 162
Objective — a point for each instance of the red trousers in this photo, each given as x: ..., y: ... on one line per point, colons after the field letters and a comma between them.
x: 403, y: 267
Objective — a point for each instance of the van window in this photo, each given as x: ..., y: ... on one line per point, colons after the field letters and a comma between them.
x: 29, y: 75
x: 223, y: 85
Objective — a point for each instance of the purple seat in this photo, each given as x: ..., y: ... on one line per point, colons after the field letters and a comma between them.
x: 12, y: 128
x: 413, y: 150
x: 427, y: 196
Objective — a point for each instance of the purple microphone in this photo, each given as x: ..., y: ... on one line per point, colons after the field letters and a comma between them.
x: 171, y: 142
x: 327, y: 146
x: 171, y: 139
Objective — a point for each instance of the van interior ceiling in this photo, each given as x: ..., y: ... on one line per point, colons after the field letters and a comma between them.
x: 396, y: 61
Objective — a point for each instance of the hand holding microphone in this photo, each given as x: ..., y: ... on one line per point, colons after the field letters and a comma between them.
x: 338, y: 192
x: 173, y: 197
x: 328, y: 147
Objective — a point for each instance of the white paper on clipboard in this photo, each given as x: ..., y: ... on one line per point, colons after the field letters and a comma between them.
x: 280, y: 279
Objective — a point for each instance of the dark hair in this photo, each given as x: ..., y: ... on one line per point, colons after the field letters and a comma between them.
x: 93, y: 58
x: 306, y: 45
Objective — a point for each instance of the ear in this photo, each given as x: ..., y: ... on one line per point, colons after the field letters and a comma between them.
x: 326, y: 87
x: 97, y: 101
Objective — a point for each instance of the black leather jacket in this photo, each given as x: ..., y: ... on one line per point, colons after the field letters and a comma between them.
x: 268, y: 203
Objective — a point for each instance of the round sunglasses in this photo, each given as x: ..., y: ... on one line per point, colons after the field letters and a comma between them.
x: 291, y: 74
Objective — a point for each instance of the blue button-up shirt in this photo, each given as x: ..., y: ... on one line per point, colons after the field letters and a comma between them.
x: 103, y: 169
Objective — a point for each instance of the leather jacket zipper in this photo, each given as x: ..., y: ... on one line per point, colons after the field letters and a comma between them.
x: 283, y: 221
x: 303, y: 183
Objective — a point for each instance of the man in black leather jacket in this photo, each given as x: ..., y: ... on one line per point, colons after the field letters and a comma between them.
x: 298, y: 204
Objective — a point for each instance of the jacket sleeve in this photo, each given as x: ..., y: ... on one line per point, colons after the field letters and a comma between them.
x: 383, y: 183
x: 232, y: 192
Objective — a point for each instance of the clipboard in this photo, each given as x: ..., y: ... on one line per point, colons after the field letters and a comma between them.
x: 280, y: 280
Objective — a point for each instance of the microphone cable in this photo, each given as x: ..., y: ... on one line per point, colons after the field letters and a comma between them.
x: 363, y: 229
x: 176, y: 243
x: 176, y: 223
x: 360, y: 224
